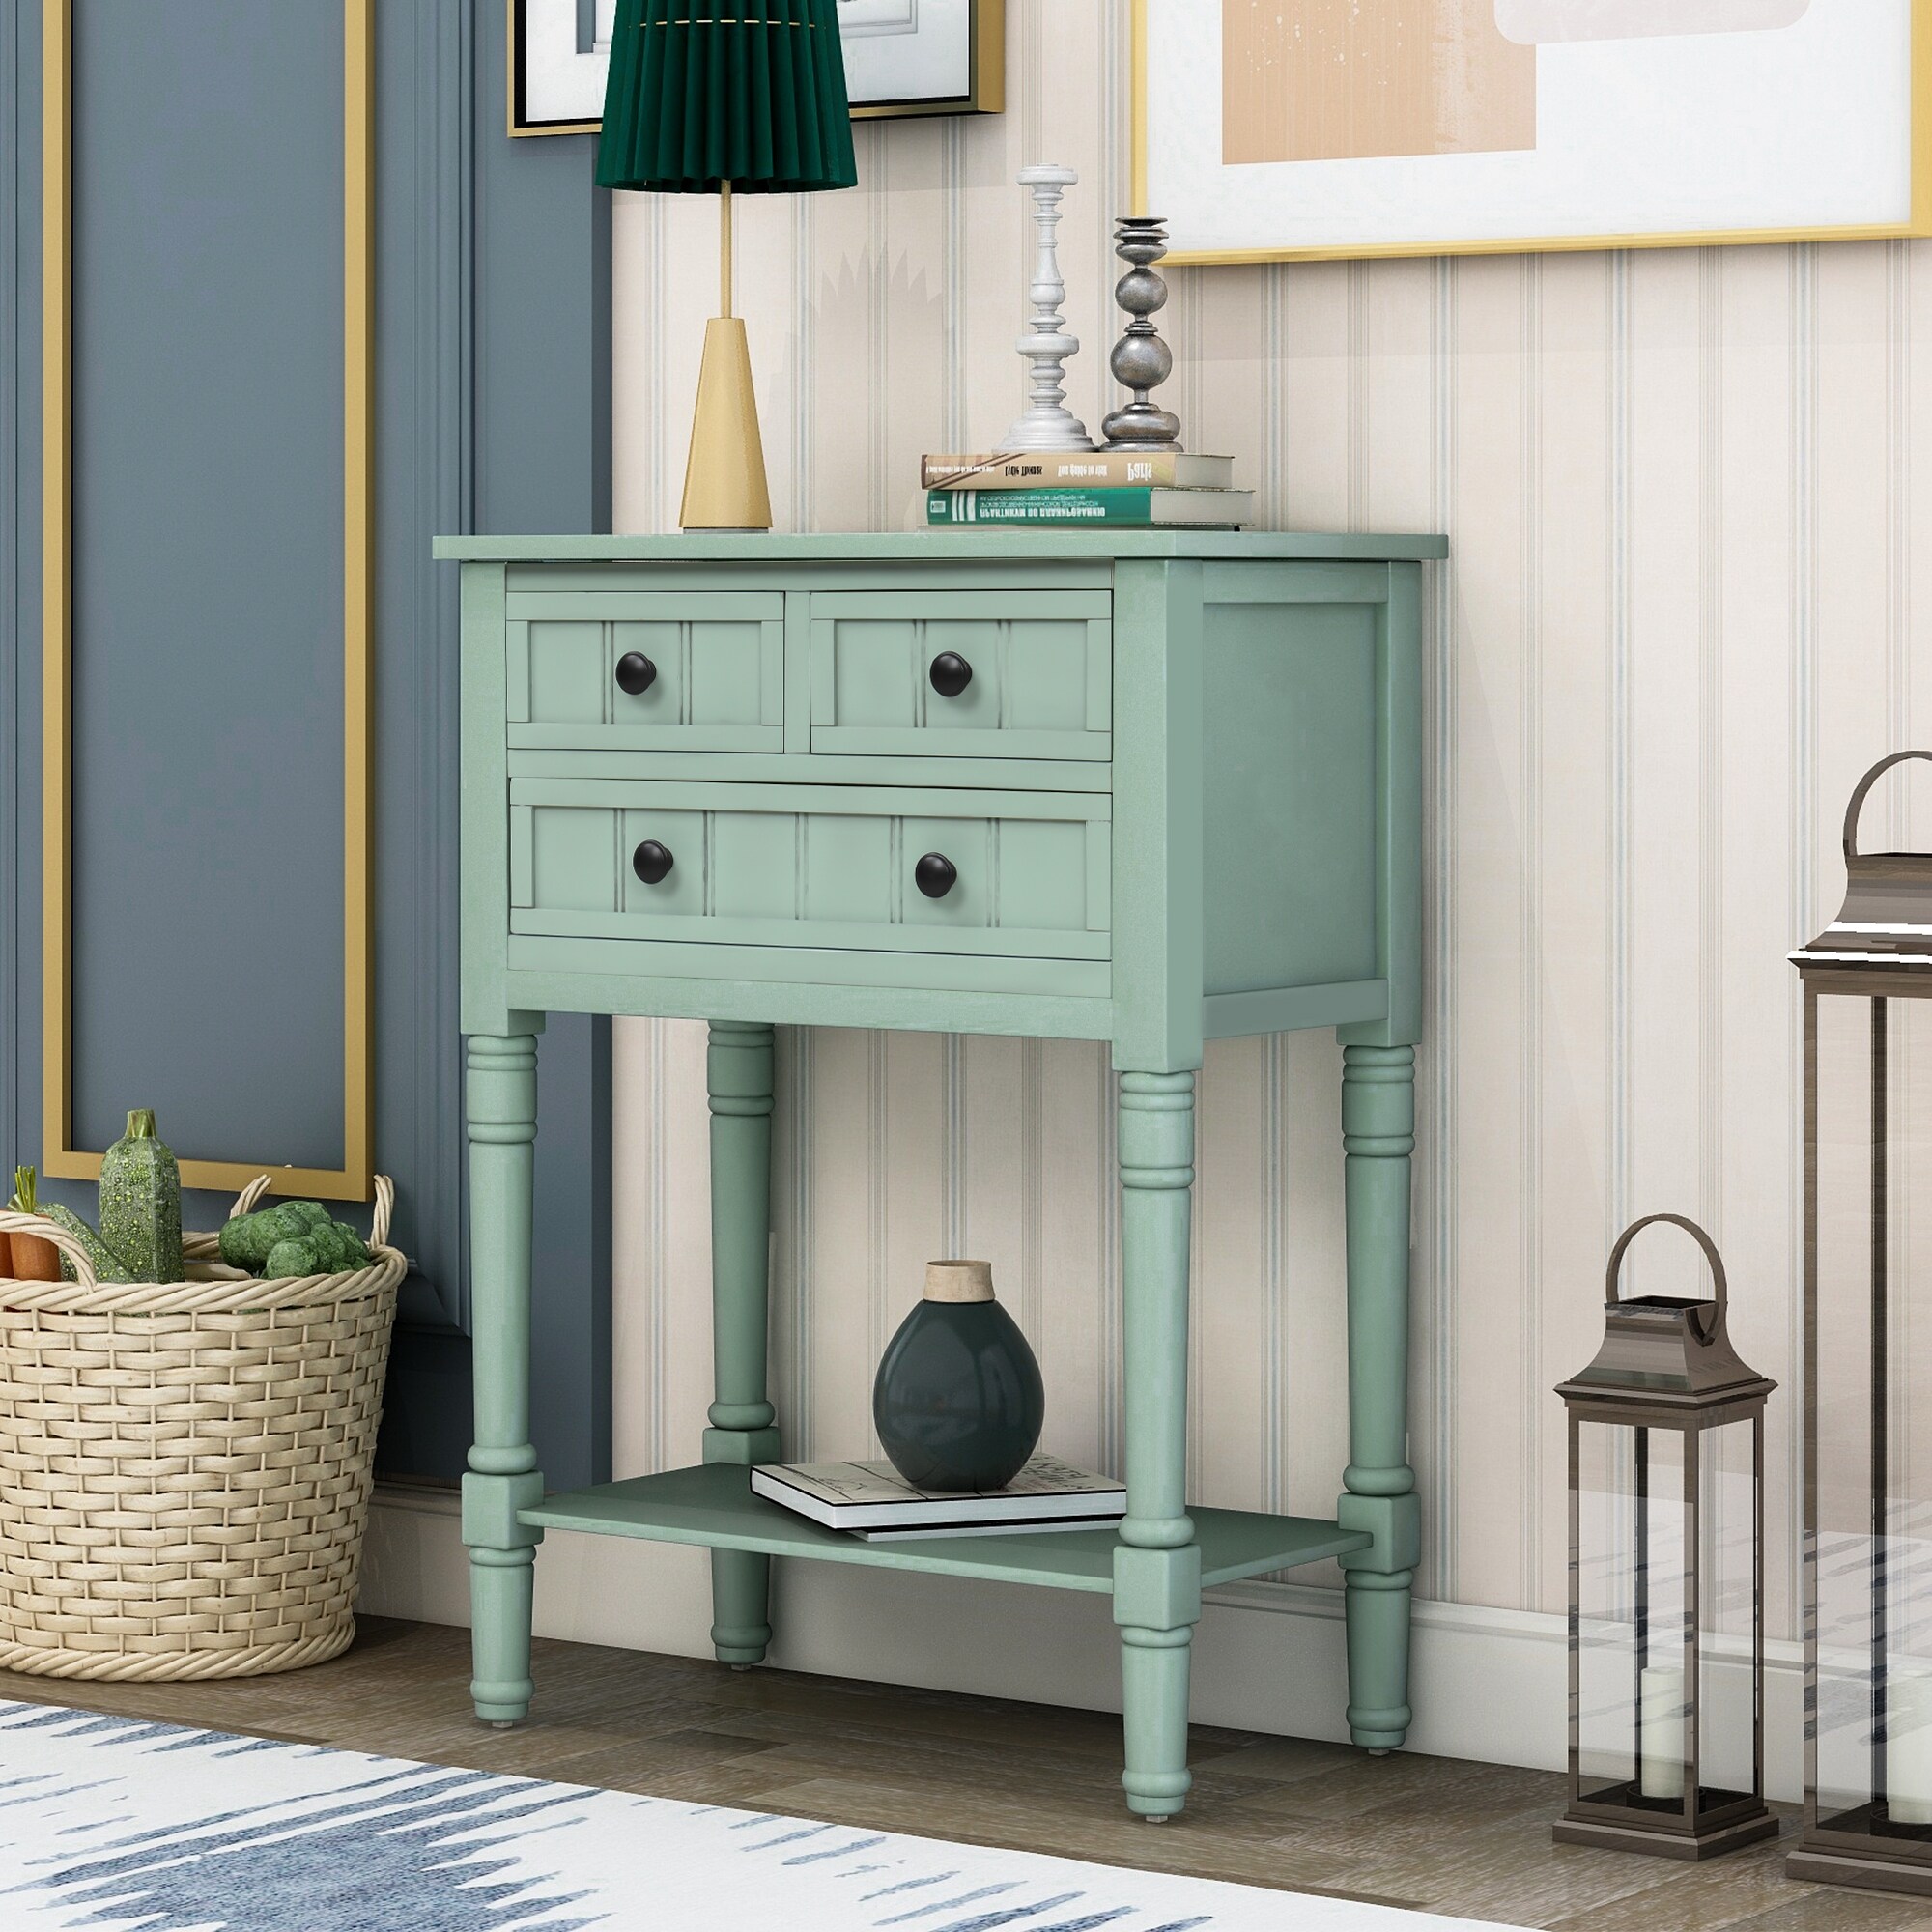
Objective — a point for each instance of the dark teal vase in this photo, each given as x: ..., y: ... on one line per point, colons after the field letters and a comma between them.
x: 958, y: 1401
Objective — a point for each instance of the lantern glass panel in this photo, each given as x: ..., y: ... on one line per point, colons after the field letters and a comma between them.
x: 1632, y: 1610
x: 1728, y: 1579
x: 1871, y: 1351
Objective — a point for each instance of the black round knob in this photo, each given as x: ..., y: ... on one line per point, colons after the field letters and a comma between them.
x: 935, y: 875
x: 636, y: 673
x: 651, y: 862
x: 949, y: 673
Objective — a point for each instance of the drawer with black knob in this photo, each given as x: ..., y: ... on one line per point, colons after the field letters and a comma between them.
x: 1025, y: 874
x: 645, y: 670
x: 963, y: 674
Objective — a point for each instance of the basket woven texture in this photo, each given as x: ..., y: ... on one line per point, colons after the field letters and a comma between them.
x: 186, y: 1467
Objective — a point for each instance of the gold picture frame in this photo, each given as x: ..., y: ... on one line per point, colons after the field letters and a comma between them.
x: 1918, y: 221
x: 60, y: 1158
x: 985, y: 92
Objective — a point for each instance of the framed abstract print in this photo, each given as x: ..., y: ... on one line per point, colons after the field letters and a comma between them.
x: 1283, y: 129
x: 923, y: 56
x: 903, y: 57
x: 559, y: 54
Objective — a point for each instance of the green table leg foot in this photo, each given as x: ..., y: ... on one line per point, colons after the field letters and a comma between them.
x: 498, y: 1704
x: 741, y: 1584
x: 1156, y: 1808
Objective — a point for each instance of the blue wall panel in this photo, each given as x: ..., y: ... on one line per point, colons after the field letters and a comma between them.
x: 208, y: 603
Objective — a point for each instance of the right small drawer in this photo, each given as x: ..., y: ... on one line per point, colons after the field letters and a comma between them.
x: 970, y: 674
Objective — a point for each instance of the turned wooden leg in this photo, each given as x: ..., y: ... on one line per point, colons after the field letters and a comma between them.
x: 500, y: 1104
x: 1378, y: 1135
x: 1158, y: 1565
x: 738, y: 1069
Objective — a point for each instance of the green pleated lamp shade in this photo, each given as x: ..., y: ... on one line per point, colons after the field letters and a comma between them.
x: 705, y: 92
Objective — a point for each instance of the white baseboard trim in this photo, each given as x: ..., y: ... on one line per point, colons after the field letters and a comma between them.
x: 1490, y: 1685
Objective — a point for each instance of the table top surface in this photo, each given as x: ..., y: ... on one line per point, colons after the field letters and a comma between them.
x: 949, y: 546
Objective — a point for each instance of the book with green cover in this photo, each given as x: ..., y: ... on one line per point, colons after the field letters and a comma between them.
x: 1150, y: 508
x: 1078, y: 470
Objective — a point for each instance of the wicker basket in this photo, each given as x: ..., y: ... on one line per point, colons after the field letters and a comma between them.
x: 184, y: 1467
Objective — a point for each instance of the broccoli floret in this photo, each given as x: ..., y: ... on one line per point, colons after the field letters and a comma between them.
x: 247, y: 1239
x: 293, y: 1258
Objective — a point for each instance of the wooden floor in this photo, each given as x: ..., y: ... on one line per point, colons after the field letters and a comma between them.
x: 1429, y: 1832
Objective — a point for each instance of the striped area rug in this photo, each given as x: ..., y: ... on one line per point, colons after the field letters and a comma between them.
x: 115, y: 1823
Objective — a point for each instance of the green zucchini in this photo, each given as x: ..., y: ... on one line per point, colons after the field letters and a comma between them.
x: 107, y: 1265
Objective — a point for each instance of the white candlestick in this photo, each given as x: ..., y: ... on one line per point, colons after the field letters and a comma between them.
x: 1908, y: 1748
x: 1660, y: 1731
x: 1047, y: 423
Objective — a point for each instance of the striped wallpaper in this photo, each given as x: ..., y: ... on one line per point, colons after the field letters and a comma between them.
x: 1681, y: 616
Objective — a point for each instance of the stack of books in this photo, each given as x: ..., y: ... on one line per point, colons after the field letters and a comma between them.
x: 872, y: 1501
x: 1148, y: 489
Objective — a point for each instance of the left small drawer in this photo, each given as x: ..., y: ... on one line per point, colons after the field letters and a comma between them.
x: 646, y: 671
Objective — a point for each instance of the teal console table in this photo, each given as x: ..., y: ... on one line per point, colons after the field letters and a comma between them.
x: 1150, y: 789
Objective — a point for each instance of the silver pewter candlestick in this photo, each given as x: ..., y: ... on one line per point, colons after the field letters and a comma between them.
x: 1046, y: 423
x: 1141, y: 358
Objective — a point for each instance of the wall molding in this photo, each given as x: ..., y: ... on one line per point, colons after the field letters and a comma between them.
x: 20, y: 563
x: 1489, y: 1684
x: 60, y: 1158
x: 510, y: 283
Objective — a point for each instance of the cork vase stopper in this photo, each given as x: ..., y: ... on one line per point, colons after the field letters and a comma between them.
x: 959, y: 1281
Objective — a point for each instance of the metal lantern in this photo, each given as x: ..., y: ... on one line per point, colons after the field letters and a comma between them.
x: 1867, y: 982
x: 1667, y: 1573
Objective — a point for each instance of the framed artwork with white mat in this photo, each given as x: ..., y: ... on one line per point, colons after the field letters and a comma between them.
x: 1291, y: 129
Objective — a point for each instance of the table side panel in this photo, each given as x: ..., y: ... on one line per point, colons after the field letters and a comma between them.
x: 1290, y: 792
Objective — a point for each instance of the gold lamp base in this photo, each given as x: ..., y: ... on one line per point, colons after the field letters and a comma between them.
x: 725, y: 479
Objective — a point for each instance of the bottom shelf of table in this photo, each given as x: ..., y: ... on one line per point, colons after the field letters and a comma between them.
x: 714, y: 1505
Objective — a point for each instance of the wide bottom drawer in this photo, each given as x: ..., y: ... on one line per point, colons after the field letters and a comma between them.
x: 1015, y: 874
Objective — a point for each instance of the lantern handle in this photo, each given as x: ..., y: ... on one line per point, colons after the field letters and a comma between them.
x: 1864, y: 785
x: 1696, y: 1234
